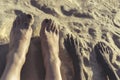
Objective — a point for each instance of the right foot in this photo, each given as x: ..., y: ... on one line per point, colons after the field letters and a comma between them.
x: 50, y: 39
x: 50, y: 49
x: 101, y: 49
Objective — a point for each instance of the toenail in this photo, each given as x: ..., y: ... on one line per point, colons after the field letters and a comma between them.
x: 46, y: 20
x: 29, y: 16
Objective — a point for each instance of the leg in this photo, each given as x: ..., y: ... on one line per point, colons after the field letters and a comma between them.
x: 20, y: 37
x: 50, y: 48
x: 101, y: 49
x: 72, y: 46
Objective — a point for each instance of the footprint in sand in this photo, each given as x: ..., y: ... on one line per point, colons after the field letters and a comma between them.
x: 72, y: 45
x: 101, y: 49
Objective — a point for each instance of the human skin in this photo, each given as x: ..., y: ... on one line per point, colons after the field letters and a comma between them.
x: 49, y: 35
x: 20, y: 37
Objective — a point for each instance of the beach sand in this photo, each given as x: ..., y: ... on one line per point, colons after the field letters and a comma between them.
x: 91, y: 21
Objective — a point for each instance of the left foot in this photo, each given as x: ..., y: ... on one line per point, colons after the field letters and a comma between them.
x: 20, y: 37
x: 21, y: 33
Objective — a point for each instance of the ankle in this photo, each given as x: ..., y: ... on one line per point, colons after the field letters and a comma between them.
x: 15, y: 59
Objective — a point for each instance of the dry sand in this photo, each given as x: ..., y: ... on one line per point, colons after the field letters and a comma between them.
x: 89, y: 20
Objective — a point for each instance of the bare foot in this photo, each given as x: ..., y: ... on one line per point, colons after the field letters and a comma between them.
x: 50, y: 48
x: 101, y: 50
x: 20, y: 37
x: 72, y: 46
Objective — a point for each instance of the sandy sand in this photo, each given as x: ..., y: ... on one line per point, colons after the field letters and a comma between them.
x: 90, y: 21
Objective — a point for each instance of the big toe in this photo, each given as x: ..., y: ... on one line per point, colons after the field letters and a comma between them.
x: 27, y: 21
x: 24, y: 21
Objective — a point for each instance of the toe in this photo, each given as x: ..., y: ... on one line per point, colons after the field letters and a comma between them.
x: 48, y: 23
x: 29, y: 18
x: 18, y: 21
x: 26, y: 21
x: 44, y: 25
x: 52, y: 25
x: 54, y: 28
x: 22, y: 20
x: 57, y: 31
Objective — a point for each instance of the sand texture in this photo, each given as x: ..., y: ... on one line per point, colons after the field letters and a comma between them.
x: 91, y: 21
